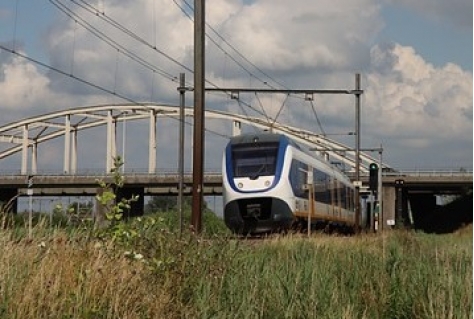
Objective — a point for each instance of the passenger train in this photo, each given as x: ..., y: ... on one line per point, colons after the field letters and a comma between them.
x: 266, y: 186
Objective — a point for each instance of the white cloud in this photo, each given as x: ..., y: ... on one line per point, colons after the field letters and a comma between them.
x: 306, y: 44
x: 325, y: 35
x: 22, y: 84
x: 422, y: 105
x: 118, y: 61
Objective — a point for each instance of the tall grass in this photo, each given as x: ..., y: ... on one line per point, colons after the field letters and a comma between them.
x: 145, y: 270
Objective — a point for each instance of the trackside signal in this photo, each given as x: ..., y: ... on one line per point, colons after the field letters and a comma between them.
x: 373, y: 177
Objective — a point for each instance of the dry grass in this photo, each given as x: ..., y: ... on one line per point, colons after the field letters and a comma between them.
x: 72, y: 274
x: 60, y: 277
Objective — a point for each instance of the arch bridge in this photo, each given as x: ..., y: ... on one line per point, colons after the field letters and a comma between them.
x: 26, y: 136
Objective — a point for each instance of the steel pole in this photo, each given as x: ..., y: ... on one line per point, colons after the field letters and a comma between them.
x: 30, y: 214
x: 357, y: 159
x: 124, y: 137
x: 380, y: 190
x: 182, y: 91
x: 199, y: 91
x: 30, y: 205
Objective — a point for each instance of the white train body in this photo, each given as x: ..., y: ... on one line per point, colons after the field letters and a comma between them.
x: 266, y: 186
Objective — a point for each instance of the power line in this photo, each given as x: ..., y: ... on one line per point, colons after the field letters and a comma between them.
x: 96, y: 86
x: 96, y: 12
x: 91, y: 9
x: 240, y: 102
x: 233, y: 48
x: 121, y: 49
x: 114, y: 44
x: 49, y: 67
x: 317, y: 118
x: 279, y: 111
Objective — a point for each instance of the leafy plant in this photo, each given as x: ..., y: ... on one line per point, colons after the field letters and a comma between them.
x: 116, y: 230
x: 108, y: 198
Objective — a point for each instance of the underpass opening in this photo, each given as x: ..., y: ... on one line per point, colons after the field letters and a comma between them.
x: 428, y: 216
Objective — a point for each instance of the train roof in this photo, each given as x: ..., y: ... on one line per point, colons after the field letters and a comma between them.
x: 256, y: 137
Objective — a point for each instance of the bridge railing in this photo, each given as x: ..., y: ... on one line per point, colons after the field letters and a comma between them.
x: 430, y: 173
x: 217, y: 171
x: 100, y: 172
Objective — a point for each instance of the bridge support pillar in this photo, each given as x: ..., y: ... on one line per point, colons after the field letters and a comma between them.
x: 111, y: 147
x: 8, y: 202
x: 24, y: 150
x: 401, y: 205
x: 388, y: 209
x: 152, y: 143
x: 67, y: 144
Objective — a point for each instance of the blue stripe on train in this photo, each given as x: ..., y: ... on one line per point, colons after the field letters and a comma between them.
x: 282, y: 146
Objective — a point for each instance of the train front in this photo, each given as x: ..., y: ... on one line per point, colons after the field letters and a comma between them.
x: 254, y: 185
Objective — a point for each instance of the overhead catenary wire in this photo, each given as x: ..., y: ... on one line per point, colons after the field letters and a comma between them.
x: 101, y: 14
x: 117, y: 57
x: 95, y: 86
x: 98, y: 87
x: 114, y: 44
x: 317, y: 118
x: 233, y: 48
x: 73, y: 47
x: 106, y: 18
x: 261, y: 106
x: 251, y: 74
x: 15, y: 25
x: 91, y: 9
x: 279, y: 111
x: 120, y: 48
x: 68, y: 12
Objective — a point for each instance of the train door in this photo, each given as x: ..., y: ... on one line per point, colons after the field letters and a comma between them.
x: 332, y: 187
x: 339, y: 199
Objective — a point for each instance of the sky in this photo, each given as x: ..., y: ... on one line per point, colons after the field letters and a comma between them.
x: 414, y: 57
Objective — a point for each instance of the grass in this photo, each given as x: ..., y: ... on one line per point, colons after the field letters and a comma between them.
x: 145, y: 269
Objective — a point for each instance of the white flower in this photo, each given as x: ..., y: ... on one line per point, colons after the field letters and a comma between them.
x: 134, y: 255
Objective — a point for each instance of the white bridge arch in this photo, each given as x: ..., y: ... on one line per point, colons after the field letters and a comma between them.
x: 25, y: 135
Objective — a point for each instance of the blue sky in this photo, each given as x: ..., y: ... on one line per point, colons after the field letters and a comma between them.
x: 439, y: 42
x: 415, y: 59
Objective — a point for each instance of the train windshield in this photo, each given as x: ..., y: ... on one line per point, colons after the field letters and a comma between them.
x: 254, y: 160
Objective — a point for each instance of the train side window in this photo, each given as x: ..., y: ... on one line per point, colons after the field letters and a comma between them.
x: 321, y: 187
x: 343, y: 195
x: 298, y: 178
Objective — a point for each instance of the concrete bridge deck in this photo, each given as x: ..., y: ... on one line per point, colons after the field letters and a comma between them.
x: 403, y: 193
x: 438, y: 182
x: 64, y: 185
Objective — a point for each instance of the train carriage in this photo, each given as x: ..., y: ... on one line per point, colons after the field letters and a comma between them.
x: 266, y: 186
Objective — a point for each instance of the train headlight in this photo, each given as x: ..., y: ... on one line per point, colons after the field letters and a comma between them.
x: 267, y: 183
x: 240, y: 185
